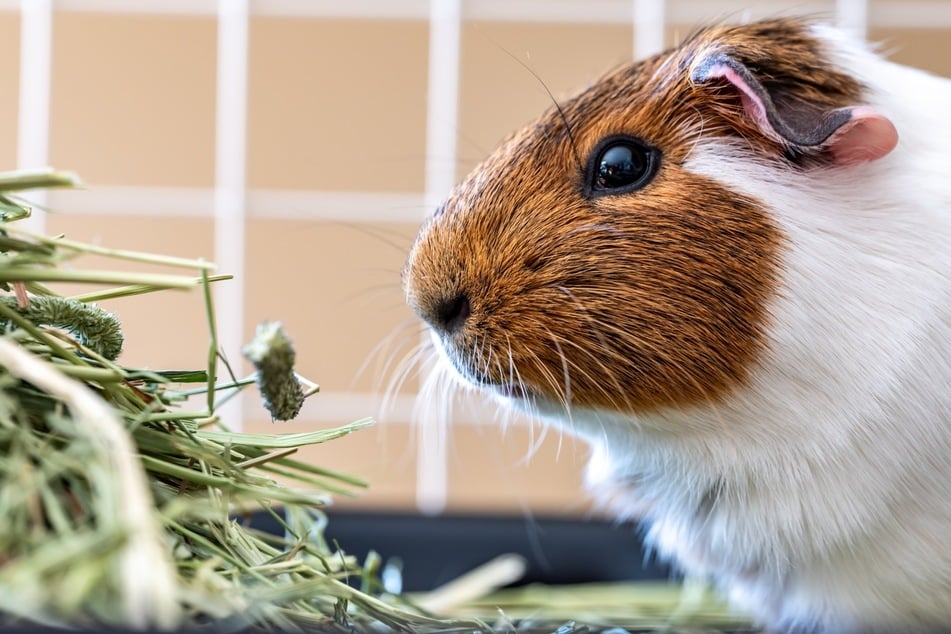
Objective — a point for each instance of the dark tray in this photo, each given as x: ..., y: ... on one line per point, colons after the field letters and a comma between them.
x: 434, y: 550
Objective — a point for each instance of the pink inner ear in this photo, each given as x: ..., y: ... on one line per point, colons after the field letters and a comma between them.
x: 751, y: 101
x: 867, y: 136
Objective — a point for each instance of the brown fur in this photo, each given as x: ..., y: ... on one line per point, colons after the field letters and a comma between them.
x: 635, y: 301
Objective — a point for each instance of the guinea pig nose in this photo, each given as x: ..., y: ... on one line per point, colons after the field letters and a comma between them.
x: 450, y: 314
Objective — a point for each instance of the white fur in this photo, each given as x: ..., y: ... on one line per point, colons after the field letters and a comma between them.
x: 833, y: 508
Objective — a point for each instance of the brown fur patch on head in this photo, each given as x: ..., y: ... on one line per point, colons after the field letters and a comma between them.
x: 652, y: 298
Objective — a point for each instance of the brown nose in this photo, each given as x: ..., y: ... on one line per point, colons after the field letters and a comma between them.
x: 450, y: 314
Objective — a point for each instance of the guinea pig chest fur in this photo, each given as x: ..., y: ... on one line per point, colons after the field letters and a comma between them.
x: 728, y: 269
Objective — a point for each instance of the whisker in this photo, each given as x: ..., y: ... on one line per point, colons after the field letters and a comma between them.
x: 596, y: 327
x: 377, y: 233
x: 564, y: 369
x: 434, y: 406
x: 412, y: 365
x: 515, y: 379
x: 561, y: 112
x: 535, y: 442
x: 615, y: 398
x: 547, y: 376
x: 391, y: 345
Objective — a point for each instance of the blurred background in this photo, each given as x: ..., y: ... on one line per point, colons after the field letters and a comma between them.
x: 298, y: 144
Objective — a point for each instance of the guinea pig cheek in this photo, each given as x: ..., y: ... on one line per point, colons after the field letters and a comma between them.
x: 674, y: 311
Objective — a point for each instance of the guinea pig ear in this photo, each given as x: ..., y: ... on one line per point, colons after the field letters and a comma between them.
x: 851, y: 135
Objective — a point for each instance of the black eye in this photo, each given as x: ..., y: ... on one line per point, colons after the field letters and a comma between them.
x: 620, y: 165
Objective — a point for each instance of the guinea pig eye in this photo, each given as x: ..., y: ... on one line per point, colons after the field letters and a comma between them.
x: 620, y: 165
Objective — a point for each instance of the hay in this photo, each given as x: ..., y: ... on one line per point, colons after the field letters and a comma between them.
x: 593, y: 607
x: 117, y: 508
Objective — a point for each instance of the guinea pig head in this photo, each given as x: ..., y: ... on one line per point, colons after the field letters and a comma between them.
x: 583, y: 264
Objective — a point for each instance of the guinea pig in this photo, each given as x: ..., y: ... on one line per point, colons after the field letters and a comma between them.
x: 727, y: 268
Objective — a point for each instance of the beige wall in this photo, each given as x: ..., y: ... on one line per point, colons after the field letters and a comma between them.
x: 9, y: 68
x: 335, y: 105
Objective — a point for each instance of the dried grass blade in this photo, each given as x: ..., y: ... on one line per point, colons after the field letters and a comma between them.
x: 149, y: 602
